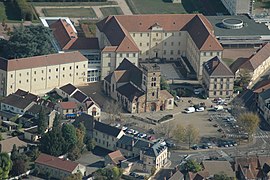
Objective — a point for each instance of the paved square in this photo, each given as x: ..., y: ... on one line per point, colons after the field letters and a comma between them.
x: 169, y: 71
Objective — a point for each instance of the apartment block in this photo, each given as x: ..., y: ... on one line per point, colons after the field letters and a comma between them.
x: 236, y: 7
x: 40, y: 74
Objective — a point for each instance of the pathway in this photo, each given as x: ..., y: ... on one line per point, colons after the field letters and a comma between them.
x: 123, y: 5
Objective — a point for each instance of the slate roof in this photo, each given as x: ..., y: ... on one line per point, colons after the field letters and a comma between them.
x: 40, y: 61
x: 79, y: 96
x: 17, y: 101
x: 55, y: 162
x: 216, y: 67
x: 265, y: 94
x: 68, y: 88
x: 138, y: 142
x: 86, y: 119
x: 261, y: 86
x: 107, y: 129
x: 117, y: 28
x: 130, y: 91
x: 177, y: 176
x: 7, y: 144
x: 155, y: 150
x: 216, y: 167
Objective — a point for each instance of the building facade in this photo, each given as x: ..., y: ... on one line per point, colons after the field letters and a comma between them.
x: 40, y: 74
x: 218, y: 79
x: 263, y: 104
x: 236, y: 7
x: 149, y: 37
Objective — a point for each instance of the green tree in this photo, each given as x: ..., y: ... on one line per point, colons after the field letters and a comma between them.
x: 42, y: 122
x: 76, y: 176
x: 221, y: 176
x: 5, y: 165
x: 74, y: 154
x: 249, y: 121
x: 56, y: 121
x: 188, y: 134
x: 69, y: 134
x: 164, y: 85
x: 191, y: 166
x: 245, y: 77
x: 20, y: 165
x: 108, y: 173
x: 91, y: 144
x: 14, y: 153
x: 28, y: 41
x: 53, y: 143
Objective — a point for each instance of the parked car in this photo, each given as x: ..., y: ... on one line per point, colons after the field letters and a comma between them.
x: 189, y: 110
x: 200, y: 109
x: 170, y: 144
x: 124, y: 128
x: 218, y: 108
x: 195, y: 147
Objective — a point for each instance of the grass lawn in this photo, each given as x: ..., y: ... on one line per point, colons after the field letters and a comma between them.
x: 155, y: 7
x: 106, y: 11
x: 228, y: 61
x: 2, y: 12
x: 69, y: 12
x: 74, y: 3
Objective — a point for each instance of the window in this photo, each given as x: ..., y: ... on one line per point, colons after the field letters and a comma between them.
x: 157, y: 34
x: 127, y: 54
x: 27, y: 80
x: 171, y: 52
x: 109, y: 64
x: 20, y: 82
x: 133, y: 34
x: 20, y: 74
x: 63, y: 68
x: 217, y: 53
x: 77, y: 67
x: 165, y: 34
x: 109, y: 54
x: 215, y: 93
x: 56, y: 76
x: 27, y: 73
x: 153, y: 94
x: 220, y: 93
x: 34, y: 79
x: 49, y: 70
x: 221, y: 86
x: 49, y: 77
x: 35, y: 72
x: 170, y: 101
x: 147, y: 44
x: 70, y: 67
x: 228, y: 79
x: 147, y: 34
x: 63, y: 75
x: 215, y: 86
x: 215, y: 79
x: 179, y: 33
x: 211, y: 53
x: 141, y: 34
x: 164, y: 52
x: 171, y: 43
x: 204, y: 53
x: 11, y: 75
x: 120, y: 54
x: 179, y: 52
x: 165, y: 43
x: 227, y: 93
x: 56, y: 69
x: 227, y: 86
x: 172, y: 34
x: 146, y: 52
x: 140, y: 44
x: 179, y: 43
x: 42, y: 78
x: 11, y: 86
x: 70, y: 75
x: 134, y: 54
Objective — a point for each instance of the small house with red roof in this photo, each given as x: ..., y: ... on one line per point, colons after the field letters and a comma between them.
x: 67, y: 109
x: 57, y: 167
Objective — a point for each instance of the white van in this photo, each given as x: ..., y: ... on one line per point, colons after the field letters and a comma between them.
x: 189, y: 110
x: 218, y: 108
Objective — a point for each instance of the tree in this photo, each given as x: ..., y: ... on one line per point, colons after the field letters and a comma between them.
x: 69, y: 134
x: 74, y: 154
x: 188, y: 134
x: 191, y: 166
x: 221, y: 176
x: 108, y: 173
x: 91, y: 144
x: 14, y: 153
x: 238, y: 107
x: 76, y: 176
x: 56, y: 121
x: 164, y: 85
x: 249, y: 121
x: 42, y: 122
x: 53, y: 143
x: 166, y: 129
x: 20, y: 165
x: 28, y: 41
x: 245, y: 77
x: 114, y: 109
x: 5, y: 165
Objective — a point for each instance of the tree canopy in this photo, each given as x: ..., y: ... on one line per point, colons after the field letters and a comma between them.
x: 5, y: 165
x: 188, y: 134
x: 28, y: 41
x: 192, y: 166
x: 249, y: 121
x: 114, y: 173
x: 42, y: 122
x: 221, y: 176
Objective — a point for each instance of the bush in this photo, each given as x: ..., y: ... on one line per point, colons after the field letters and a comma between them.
x: 25, y: 9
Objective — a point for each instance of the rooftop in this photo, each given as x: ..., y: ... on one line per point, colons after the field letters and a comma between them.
x: 7, y: 144
x: 107, y: 129
x: 68, y: 105
x: 216, y: 67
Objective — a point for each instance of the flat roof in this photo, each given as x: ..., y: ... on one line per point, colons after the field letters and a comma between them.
x: 251, y: 28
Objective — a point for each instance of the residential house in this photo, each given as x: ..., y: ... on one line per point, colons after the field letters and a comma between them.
x: 66, y: 39
x: 201, y: 175
x: 156, y: 36
x: 238, y: 6
x: 58, y: 168
x: 40, y: 74
x: 106, y: 136
x: 218, y: 79
x: 88, y: 121
x: 114, y: 158
x: 263, y: 104
x: 85, y: 104
x: 138, y: 89
x: 67, y: 109
x: 252, y: 167
x: 7, y: 145
x: 31, y: 134
x: 177, y: 176
x: 256, y: 65
x: 218, y: 167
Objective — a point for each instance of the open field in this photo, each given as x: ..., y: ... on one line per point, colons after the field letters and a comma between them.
x: 106, y: 11
x: 69, y: 12
x: 74, y: 3
x: 154, y: 7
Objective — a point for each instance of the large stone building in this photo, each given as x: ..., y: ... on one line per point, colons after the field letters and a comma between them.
x: 40, y: 74
x: 167, y: 36
x: 218, y: 79
x: 138, y: 90
x: 264, y: 104
x: 238, y: 6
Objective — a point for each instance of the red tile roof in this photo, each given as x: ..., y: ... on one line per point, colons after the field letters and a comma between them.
x: 216, y: 67
x: 55, y: 162
x: 40, y: 61
x: 116, y: 157
x: 117, y: 28
x: 68, y: 105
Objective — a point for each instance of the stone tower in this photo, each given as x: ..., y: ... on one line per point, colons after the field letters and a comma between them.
x: 151, y: 85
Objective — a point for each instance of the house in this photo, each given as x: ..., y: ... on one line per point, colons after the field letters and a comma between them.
x: 67, y: 109
x: 263, y: 104
x: 140, y: 38
x: 201, y: 175
x: 84, y: 103
x: 106, y: 136
x: 7, y: 145
x: 40, y: 74
x: 88, y: 121
x: 252, y: 167
x: 177, y: 176
x: 138, y: 89
x: 256, y: 65
x: 218, y: 79
x: 218, y: 167
x: 66, y: 39
x: 114, y: 158
x: 236, y: 7
x: 31, y: 134
x: 58, y: 168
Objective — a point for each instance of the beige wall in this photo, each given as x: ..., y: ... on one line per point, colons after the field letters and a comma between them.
x: 261, y: 69
x: 42, y: 79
